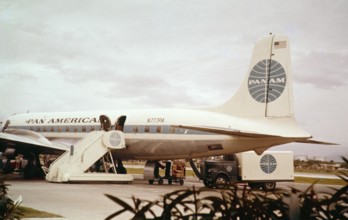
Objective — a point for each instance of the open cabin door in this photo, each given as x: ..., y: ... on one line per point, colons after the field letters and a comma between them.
x: 119, y: 125
x: 105, y: 123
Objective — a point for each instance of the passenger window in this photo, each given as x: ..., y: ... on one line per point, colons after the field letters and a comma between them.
x: 147, y: 129
x: 67, y: 129
x: 91, y: 128
x: 159, y: 129
x: 38, y: 129
x: 75, y: 129
x: 59, y: 129
x: 83, y: 128
x: 172, y: 130
x: 135, y: 129
x: 52, y: 129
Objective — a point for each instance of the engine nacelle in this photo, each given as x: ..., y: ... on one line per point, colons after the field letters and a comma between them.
x: 9, y: 152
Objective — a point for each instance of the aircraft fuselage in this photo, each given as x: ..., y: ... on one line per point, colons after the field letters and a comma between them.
x: 150, y: 134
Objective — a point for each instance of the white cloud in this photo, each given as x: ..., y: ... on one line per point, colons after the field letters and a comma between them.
x: 324, y: 69
x: 86, y: 55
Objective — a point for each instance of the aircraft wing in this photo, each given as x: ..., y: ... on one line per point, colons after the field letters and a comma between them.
x: 225, y: 131
x: 28, y: 141
x: 310, y: 141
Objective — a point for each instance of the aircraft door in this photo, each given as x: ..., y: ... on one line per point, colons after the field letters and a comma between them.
x: 6, y: 124
x: 105, y: 123
x: 119, y: 125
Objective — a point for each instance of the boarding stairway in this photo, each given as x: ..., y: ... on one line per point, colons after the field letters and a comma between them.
x: 73, y: 165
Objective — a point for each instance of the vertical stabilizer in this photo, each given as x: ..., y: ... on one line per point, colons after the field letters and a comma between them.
x: 267, y: 87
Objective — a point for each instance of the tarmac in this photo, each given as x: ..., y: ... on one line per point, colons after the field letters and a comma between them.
x: 88, y: 200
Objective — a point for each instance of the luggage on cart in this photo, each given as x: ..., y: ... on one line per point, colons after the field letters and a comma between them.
x: 174, y: 171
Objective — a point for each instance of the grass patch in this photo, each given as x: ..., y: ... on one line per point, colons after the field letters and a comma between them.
x: 321, y: 181
x: 332, y: 172
x: 135, y: 170
x: 33, y: 213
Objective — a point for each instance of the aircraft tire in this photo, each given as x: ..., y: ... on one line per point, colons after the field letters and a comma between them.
x: 121, y: 170
x: 7, y: 168
x: 29, y: 171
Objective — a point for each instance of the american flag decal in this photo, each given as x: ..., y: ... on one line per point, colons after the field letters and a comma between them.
x: 280, y: 44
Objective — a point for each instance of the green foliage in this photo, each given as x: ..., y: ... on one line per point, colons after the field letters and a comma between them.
x: 34, y: 213
x: 231, y: 203
x: 8, y: 210
x: 325, y: 205
x: 140, y: 209
x: 242, y: 203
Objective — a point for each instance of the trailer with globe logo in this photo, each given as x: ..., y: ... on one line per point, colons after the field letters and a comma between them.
x: 257, y: 170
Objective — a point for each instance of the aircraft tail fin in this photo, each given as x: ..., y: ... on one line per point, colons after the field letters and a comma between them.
x: 267, y: 87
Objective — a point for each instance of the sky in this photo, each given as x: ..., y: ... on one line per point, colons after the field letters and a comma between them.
x: 73, y: 55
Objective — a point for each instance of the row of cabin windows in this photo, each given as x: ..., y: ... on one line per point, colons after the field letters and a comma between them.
x: 158, y: 129
x: 61, y: 129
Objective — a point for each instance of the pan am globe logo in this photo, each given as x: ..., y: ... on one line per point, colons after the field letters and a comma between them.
x: 257, y: 82
x: 268, y: 163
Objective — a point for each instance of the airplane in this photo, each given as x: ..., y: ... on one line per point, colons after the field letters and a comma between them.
x: 259, y: 116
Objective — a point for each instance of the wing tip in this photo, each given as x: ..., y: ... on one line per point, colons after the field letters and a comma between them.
x: 310, y: 141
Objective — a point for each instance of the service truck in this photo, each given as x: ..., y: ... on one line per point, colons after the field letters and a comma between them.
x: 248, y: 167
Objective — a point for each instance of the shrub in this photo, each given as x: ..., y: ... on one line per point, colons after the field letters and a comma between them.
x: 324, y: 205
x: 237, y: 202
x: 231, y: 203
x: 8, y: 209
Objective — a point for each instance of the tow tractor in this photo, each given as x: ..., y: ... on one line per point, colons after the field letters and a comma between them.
x: 247, y: 167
